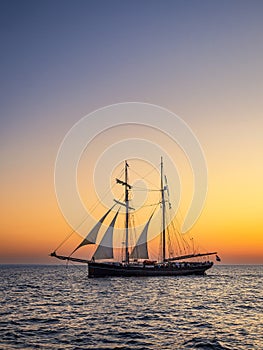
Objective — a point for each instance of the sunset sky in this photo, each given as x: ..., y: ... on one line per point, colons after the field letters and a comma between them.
x: 61, y: 60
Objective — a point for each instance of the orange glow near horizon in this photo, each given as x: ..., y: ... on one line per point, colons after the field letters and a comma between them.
x: 228, y: 225
x: 231, y: 222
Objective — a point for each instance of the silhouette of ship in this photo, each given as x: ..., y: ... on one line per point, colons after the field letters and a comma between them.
x: 136, y: 260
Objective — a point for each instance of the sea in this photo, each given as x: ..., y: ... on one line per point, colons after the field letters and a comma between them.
x: 59, y: 307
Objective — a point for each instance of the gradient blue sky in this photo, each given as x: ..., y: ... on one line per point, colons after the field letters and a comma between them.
x: 60, y: 60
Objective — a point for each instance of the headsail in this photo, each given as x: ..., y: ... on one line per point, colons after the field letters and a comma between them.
x: 140, y: 251
x: 105, y: 248
x: 92, y: 235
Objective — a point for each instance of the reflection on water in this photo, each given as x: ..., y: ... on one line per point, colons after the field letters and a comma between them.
x: 55, y: 307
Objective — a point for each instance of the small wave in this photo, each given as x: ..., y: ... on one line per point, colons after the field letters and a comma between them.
x: 205, y: 344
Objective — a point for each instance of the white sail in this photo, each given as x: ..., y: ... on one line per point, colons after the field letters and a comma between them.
x: 140, y: 251
x: 105, y: 248
x: 92, y: 235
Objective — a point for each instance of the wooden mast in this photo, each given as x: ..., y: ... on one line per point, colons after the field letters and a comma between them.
x: 163, y: 212
x: 127, y: 214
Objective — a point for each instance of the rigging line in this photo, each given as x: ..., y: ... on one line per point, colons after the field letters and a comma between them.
x: 175, y: 234
x: 136, y: 188
x: 143, y: 177
x: 174, y: 244
x: 170, y: 248
x: 103, y: 196
x: 150, y: 205
x: 184, y: 242
x: 156, y: 206
x: 170, y: 251
x: 133, y: 234
x: 85, y: 218
x: 188, y: 233
x: 177, y: 240
x: 105, y: 193
x: 71, y: 233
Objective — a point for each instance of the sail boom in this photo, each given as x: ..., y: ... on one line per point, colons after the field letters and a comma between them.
x: 69, y: 258
x: 189, y: 256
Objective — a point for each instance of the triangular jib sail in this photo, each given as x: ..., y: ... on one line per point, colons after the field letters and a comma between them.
x: 92, y: 235
x: 105, y: 248
x: 140, y: 251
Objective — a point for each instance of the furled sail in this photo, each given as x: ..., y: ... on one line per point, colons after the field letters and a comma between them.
x: 140, y: 251
x: 105, y: 248
x: 92, y: 235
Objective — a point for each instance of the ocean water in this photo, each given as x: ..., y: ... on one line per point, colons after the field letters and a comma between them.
x: 55, y: 307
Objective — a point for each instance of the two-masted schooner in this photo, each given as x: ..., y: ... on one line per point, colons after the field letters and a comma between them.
x: 136, y: 259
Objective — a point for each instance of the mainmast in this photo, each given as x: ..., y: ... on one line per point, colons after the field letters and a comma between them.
x: 163, y: 211
x: 127, y: 187
x: 127, y: 213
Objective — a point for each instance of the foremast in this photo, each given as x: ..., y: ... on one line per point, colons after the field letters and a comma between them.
x: 163, y: 214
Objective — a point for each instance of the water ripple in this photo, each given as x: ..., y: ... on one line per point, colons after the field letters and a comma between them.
x: 52, y: 307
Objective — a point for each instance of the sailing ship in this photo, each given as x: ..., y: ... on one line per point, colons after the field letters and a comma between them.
x: 136, y: 260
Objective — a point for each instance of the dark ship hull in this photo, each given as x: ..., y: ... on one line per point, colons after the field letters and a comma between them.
x: 128, y: 270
